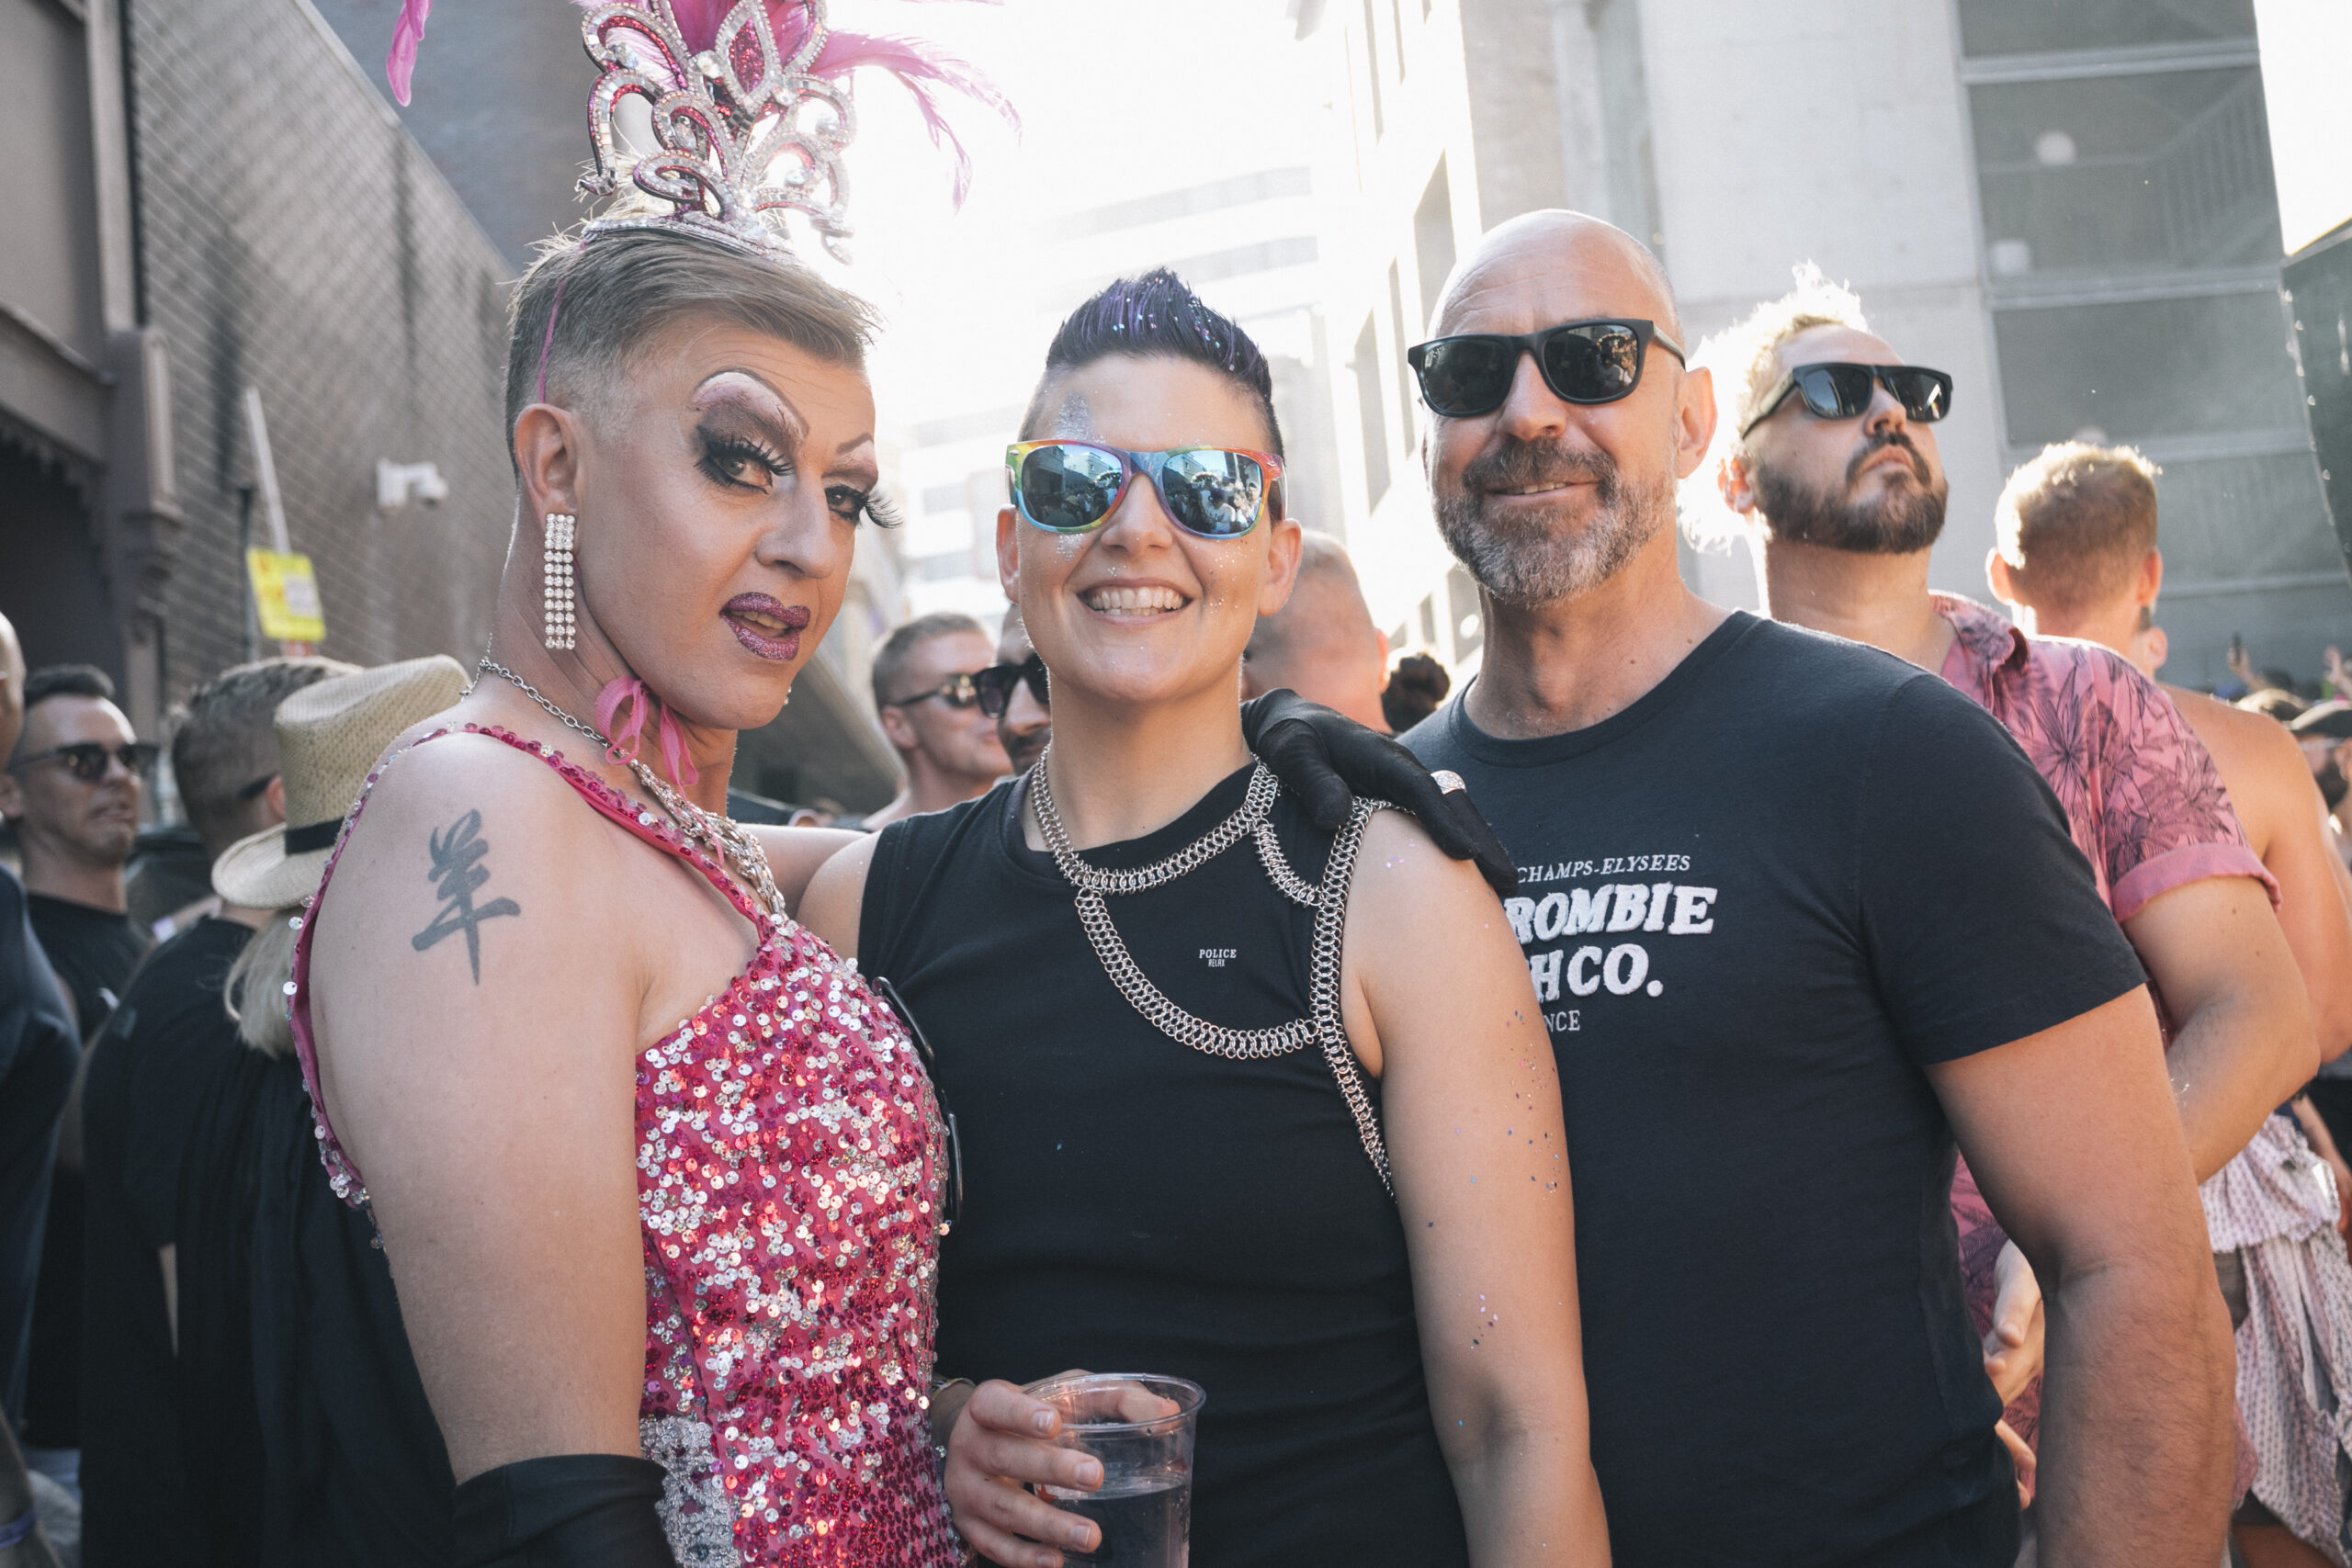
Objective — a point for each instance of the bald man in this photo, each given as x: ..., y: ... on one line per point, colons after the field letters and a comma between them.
x: 1780, y: 976
x: 38, y: 1049
x: 1322, y: 643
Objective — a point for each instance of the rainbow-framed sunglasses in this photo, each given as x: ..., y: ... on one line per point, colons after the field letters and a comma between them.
x: 1217, y: 492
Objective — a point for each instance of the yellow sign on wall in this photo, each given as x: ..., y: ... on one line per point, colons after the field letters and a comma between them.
x: 285, y: 591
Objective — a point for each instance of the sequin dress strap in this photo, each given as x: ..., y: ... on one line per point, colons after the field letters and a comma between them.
x: 640, y: 820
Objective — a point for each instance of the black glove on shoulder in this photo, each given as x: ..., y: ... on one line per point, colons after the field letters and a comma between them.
x: 565, y: 1511
x: 1328, y: 760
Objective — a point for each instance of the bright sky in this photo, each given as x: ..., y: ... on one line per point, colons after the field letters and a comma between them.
x: 1117, y: 98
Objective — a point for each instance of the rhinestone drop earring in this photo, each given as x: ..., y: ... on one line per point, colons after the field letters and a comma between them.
x: 555, y: 570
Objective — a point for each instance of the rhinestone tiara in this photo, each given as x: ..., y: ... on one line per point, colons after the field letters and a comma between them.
x: 744, y: 131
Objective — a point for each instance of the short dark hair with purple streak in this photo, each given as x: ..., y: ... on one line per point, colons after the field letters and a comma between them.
x: 1156, y: 316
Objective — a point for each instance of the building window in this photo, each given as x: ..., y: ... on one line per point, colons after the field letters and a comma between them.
x: 2132, y: 253
x: 1434, y: 240
x: 1372, y: 66
x: 1376, y: 419
x: 1404, y: 370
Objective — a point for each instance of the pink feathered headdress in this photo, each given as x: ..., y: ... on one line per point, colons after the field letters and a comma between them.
x: 921, y: 69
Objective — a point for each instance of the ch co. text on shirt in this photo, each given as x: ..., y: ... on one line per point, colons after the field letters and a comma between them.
x: 1622, y: 969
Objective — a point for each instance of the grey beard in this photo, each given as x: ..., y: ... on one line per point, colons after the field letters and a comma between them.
x: 1898, y: 522
x: 1549, y: 558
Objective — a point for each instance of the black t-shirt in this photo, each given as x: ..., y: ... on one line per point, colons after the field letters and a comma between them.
x: 1756, y: 903
x: 38, y: 1052
x: 147, y: 1071
x: 94, y: 952
x: 1134, y: 1204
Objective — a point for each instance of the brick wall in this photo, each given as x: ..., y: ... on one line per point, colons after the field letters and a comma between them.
x: 292, y: 237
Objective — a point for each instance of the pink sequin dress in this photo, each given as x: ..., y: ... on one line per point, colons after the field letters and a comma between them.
x: 788, y: 1188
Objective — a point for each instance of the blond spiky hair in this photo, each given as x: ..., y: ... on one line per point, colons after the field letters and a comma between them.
x: 1744, y: 357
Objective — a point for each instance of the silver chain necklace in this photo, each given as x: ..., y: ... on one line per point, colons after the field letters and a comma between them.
x: 1329, y: 902
x: 726, y: 840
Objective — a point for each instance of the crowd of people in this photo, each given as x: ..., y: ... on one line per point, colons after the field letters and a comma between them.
x: 1855, y: 1082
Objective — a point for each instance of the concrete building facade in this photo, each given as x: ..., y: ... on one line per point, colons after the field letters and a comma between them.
x: 2068, y: 208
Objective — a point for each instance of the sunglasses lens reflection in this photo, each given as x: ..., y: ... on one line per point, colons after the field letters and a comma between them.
x: 1835, y: 391
x: 1214, y: 492
x: 1595, y: 364
x: 1066, y: 487
x: 1467, y: 375
x: 1926, y: 394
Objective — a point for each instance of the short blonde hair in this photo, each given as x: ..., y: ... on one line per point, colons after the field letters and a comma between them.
x: 1745, y: 359
x: 2074, y: 524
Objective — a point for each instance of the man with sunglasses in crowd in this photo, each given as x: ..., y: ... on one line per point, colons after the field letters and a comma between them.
x: 1013, y: 694
x: 1835, y: 467
x: 1782, y: 975
x: 931, y: 715
x: 72, y: 791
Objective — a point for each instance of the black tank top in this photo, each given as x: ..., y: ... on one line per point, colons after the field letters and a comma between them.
x: 1132, y: 1204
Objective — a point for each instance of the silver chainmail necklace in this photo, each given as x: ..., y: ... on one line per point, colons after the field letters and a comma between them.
x: 1255, y: 819
x: 726, y: 840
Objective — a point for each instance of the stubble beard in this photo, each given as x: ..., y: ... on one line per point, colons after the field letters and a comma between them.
x: 1548, y: 557
x: 1896, y: 522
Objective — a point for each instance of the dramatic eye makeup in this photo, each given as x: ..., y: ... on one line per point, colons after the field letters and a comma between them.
x: 748, y: 435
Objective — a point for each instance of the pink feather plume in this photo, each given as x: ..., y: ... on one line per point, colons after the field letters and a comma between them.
x: 400, y: 65
x: 927, y: 74
x: 670, y: 736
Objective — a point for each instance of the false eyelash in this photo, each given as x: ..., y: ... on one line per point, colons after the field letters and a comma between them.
x: 881, y: 511
x: 717, y: 450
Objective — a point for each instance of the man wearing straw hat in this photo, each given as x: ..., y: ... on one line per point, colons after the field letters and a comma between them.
x: 194, y: 1124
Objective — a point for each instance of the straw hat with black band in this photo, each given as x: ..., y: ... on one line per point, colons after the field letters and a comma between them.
x: 329, y: 735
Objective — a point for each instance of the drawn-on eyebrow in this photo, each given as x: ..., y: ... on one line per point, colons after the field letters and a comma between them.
x: 745, y: 392
x: 848, y: 463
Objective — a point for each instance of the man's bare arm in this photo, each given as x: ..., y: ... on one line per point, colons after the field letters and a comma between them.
x: 2286, y: 821
x: 2241, y: 1043
x: 2074, y: 1138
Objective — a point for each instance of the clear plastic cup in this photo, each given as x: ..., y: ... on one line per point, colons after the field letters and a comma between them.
x: 1140, y: 1426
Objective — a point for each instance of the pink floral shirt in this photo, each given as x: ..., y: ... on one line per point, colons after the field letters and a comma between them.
x: 2143, y: 802
x: 2142, y: 797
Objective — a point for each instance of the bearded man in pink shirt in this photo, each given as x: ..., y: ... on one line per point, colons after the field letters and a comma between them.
x: 1832, y: 463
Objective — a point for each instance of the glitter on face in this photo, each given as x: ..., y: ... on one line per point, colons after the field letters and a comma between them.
x: 788, y: 1183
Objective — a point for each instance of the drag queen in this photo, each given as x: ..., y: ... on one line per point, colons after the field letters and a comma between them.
x: 660, y: 1179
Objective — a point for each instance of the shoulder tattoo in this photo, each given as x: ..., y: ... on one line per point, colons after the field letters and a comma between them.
x: 457, y: 851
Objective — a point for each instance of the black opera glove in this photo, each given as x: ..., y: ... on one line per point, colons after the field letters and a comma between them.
x: 565, y: 1511
x: 1328, y: 760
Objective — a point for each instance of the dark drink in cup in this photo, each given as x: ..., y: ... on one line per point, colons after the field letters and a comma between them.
x: 1141, y: 1428
x: 1145, y: 1518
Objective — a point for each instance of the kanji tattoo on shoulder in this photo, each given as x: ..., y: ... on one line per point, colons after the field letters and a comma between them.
x: 457, y: 851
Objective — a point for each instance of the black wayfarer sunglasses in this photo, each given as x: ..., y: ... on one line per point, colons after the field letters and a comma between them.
x: 994, y: 684
x: 1582, y: 362
x: 951, y: 1201
x: 86, y: 760
x: 1843, y: 390
x: 959, y: 692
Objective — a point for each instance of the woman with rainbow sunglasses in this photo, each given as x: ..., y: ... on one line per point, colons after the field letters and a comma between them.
x: 1279, y: 1117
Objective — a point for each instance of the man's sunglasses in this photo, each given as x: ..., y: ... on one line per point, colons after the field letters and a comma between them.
x: 951, y: 1202
x: 88, y: 760
x: 994, y: 684
x: 1582, y: 362
x: 959, y: 692
x: 1840, y: 390
x: 1217, y: 492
